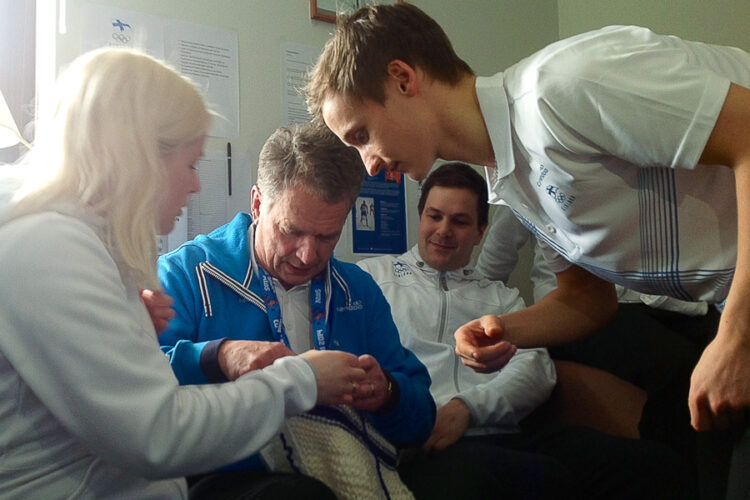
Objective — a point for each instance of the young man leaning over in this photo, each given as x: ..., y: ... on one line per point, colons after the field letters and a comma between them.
x: 266, y: 285
x: 626, y: 152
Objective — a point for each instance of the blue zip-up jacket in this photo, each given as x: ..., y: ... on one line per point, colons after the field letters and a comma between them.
x: 216, y: 295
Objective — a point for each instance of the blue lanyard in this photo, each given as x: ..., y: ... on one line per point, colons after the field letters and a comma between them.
x: 317, y: 309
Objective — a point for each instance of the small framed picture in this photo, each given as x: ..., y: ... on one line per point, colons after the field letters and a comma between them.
x: 326, y: 10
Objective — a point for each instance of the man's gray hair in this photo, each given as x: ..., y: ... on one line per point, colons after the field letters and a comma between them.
x: 313, y: 158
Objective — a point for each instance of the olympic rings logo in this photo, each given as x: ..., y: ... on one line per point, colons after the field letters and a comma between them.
x: 121, y: 38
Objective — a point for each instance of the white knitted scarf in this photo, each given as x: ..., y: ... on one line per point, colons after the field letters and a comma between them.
x: 338, y: 446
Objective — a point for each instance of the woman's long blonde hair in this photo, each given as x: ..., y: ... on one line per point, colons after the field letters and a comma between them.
x: 117, y: 114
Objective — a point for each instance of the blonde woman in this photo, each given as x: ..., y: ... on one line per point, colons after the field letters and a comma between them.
x: 89, y: 406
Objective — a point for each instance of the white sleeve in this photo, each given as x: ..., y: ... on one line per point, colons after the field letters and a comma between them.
x: 519, y: 387
x: 514, y: 392
x: 542, y: 277
x: 552, y: 261
x: 74, y: 339
x: 505, y: 236
x: 649, y: 99
x: 499, y: 256
x: 367, y: 266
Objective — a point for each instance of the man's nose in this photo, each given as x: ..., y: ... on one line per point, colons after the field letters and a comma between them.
x: 307, y: 250
x: 373, y: 163
x: 444, y: 228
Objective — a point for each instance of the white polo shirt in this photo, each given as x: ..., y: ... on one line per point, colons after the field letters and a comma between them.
x: 585, y: 132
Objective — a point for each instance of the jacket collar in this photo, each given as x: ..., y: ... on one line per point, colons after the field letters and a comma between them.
x: 493, y: 102
x: 230, y: 251
x: 413, y: 258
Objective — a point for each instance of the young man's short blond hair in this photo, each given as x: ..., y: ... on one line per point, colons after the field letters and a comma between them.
x: 354, y: 62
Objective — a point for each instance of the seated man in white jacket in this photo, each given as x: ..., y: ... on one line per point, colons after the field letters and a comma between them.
x: 433, y: 290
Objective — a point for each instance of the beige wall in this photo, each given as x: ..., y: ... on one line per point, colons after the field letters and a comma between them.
x: 722, y: 22
x: 493, y: 34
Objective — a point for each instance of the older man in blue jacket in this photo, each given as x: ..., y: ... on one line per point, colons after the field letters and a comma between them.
x: 266, y: 286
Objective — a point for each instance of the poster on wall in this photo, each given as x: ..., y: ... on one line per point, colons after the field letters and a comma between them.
x: 297, y: 60
x: 379, y: 215
x: 206, y: 54
x: 209, y: 56
x: 109, y: 26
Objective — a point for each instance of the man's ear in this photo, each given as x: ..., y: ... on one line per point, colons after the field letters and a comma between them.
x: 482, y: 229
x: 404, y: 76
x: 255, y: 200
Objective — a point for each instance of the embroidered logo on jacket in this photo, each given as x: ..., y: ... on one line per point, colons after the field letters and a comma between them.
x: 400, y: 270
x: 562, y: 199
x: 354, y: 306
x: 543, y: 171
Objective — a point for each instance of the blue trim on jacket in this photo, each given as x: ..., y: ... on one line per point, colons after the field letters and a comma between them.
x: 211, y: 282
